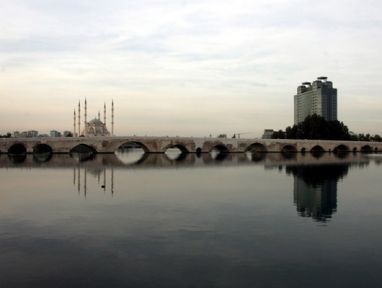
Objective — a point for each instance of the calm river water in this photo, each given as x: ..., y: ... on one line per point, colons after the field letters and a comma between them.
x: 233, y: 220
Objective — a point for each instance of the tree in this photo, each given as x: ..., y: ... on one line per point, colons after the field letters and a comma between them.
x: 377, y: 138
x: 278, y: 134
x: 316, y: 127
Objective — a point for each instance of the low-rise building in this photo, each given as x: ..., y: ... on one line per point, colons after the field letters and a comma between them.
x: 55, y: 133
x: 268, y: 133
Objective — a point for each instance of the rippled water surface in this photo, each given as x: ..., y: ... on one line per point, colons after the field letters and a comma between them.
x: 236, y: 220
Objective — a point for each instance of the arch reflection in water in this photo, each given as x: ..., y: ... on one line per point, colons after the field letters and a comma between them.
x: 131, y: 155
x: 175, y: 153
x: 256, y: 156
x: 17, y: 159
x: 42, y: 157
x: 315, y: 189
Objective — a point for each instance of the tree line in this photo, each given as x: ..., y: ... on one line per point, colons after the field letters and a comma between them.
x: 316, y: 127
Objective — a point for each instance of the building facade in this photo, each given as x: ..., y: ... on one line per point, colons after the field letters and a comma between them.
x: 268, y: 133
x: 55, y: 133
x: 318, y: 98
x: 95, y: 127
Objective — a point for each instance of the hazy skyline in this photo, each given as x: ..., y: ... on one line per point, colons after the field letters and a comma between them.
x: 187, y: 68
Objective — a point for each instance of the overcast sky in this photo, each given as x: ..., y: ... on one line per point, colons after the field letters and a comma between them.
x: 187, y: 68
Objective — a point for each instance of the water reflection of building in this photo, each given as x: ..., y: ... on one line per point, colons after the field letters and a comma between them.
x: 315, y: 189
x: 80, y: 178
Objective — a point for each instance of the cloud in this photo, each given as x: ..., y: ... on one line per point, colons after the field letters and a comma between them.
x: 232, y: 56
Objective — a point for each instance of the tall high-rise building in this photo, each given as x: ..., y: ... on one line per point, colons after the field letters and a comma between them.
x: 318, y: 98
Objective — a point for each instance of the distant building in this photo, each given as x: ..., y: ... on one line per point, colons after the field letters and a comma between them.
x: 31, y: 133
x: 55, y: 133
x: 318, y: 98
x: 25, y: 134
x: 94, y: 127
x: 68, y: 134
x: 268, y: 133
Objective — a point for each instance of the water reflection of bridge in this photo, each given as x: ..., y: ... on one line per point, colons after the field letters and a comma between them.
x: 185, y: 144
x: 183, y: 160
x: 315, y: 176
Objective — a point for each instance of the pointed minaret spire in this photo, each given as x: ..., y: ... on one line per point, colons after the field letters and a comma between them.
x: 104, y: 113
x: 74, y: 123
x: 79, y: 118
x: 112, y: 117
x: 86, y: 112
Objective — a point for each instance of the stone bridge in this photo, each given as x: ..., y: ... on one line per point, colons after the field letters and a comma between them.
x: 185, y: 144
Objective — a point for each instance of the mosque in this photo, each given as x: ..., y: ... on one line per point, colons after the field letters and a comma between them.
x: 94, y: 127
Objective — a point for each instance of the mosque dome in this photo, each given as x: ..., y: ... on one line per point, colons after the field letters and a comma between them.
x: 96, y: 127
x: 95, y: 121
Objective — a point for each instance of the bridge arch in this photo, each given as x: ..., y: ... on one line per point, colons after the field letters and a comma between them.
x: 83, y: 152
x: 220, y: 148
x: 256, y: 147
x: 289, y: 149
x: 42, y: 149
x: 341, y: 148
x: 366, y: 149
x: 132, y: 152
x: 219, y: 151
x: 317, y: 149
x: 17, y: 149
x: 133, y: 145
x: 83, y: 148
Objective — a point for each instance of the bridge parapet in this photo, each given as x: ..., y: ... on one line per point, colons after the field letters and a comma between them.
x: 188, y: 144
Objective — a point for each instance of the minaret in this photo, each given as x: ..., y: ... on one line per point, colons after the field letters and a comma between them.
x: 79, y: 118
x: 112, y: 117
x: 74, y: 124
x: 99, y: 115
x: 86, y: 116
x: 104, y: 113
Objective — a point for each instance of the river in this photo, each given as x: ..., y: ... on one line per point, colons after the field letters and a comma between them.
x: 230, y: 220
